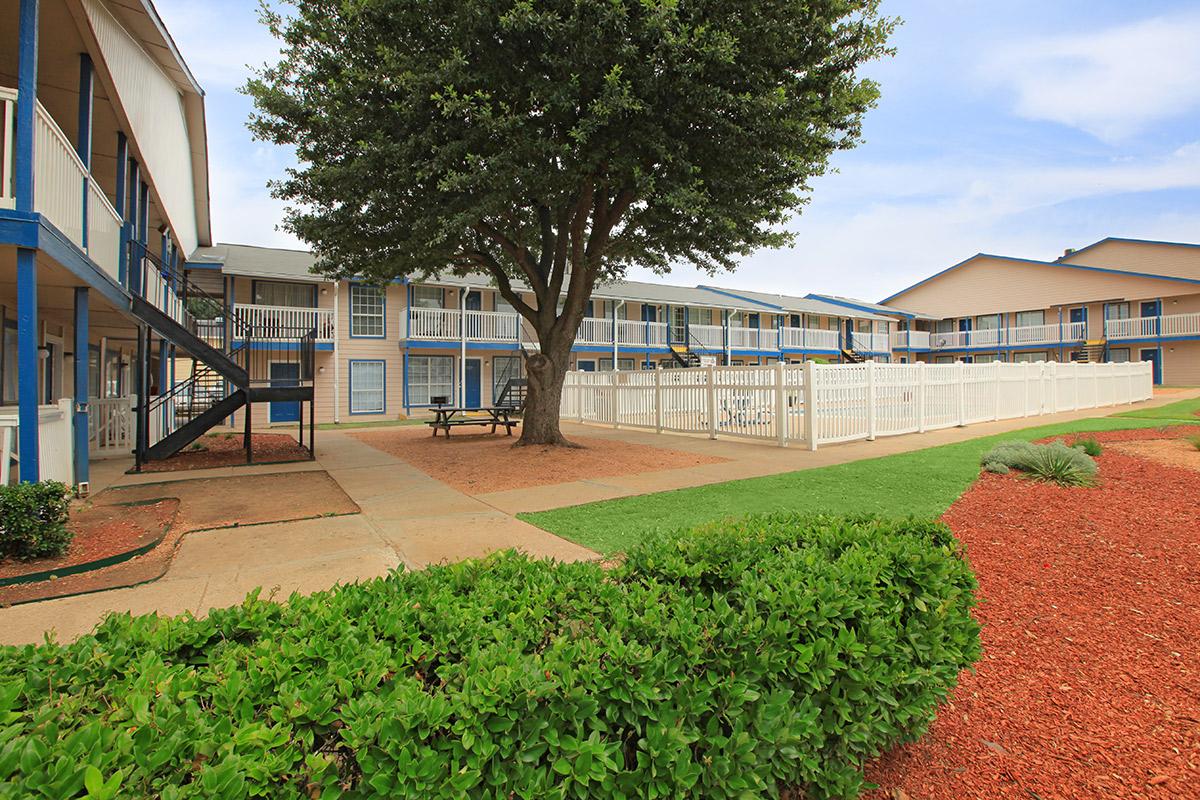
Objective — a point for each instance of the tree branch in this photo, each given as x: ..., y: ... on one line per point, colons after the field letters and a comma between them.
x: 520, y: 255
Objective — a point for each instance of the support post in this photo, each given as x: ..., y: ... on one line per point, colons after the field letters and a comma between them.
x: 122, y: 200
x: 658, y: 405
x: 810, y: 404
x: 27, y: 364
x: 83, y: 144
x: 781, y: 419
x: 711, y: 394
x: 871, y: 405
x: 143, y: 401
x: 81, y: 385
x: 27, y: 64
x: 247, y: 434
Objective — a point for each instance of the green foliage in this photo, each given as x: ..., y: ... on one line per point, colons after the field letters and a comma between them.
x: 996, y: 467
x: 33, y: 520
x: 1055, y: 462
x: 1195, y: 440
x: 732, y: 661
x: 204, y: 308
x: 1089, y: 445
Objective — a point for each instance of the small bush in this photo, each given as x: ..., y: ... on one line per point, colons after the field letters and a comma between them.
x: 996, y: 467
x: 1195, y: 440
x: 734, y: 661
x: 1054, y: 462
x: 33, y: 520
x: 1089, y: 445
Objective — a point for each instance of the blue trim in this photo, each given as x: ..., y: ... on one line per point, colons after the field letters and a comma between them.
x: 81, y: 384
x: 350, y: 385
x: 1130, y: 241
x: 404, y: 383
x: 1154, y: 340
x: 83, y: 144
x: 19, y: 228
x: 27, y: 362
x: 319, y: 346
x: 1103, y: 270
x: 875, y: 310
x: 27, y: 58
x: 35, y: 232
x: 350, y: 311
x: 743, y: 298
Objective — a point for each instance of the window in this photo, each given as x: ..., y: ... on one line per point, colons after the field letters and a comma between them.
x: 114, y: 374
x: 606, y: 364
x: 943, y: 359
x: 429, y: 376
x: 504, y: 369
x: 1027, y: 358
x: 988, y: 322
x: 427, y: 296
x: 10, y: 362
x: 1118, y: 355
x: 366, y: 311
x: 1116, y: 311
x: 700, y: 316
x: 1026, y: 319
x: 366, y: 387
x: 93, y: 371
x: 501, y: 304
x: 945, y: 326
x: 986, y: 358
x: 279, y: 293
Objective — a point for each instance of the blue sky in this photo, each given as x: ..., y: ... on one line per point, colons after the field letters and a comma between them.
x: 1010, y: 127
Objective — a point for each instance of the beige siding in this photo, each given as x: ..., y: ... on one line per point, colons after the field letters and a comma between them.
x: 1181, y: 261
x: 1181, y: 363
x: 990, y: 285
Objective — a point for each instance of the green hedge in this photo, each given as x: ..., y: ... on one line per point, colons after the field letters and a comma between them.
x: 33, y: 520
x: 733, y: 661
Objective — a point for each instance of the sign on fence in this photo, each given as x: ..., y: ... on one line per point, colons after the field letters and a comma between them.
x: 826, y: 403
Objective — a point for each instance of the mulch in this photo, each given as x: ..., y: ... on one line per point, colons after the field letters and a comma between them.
x: 1089, y: 686
x: 104, y: 532
x: 225, y: 450
x: 478, y: 463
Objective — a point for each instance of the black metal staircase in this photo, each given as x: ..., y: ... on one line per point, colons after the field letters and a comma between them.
x: 1092, y: 351
x: 852, y: 356
x: 231, y: 361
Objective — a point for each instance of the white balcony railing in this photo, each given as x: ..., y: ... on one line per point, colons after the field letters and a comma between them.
x: 910, y: 340
x: 810, y: 339
x: 754, y: 338
x: 867, y: 342
x: 1053, y: 333
x: 595, y: 330
x: 285, y: 322
x: 492, y: 326
x: 433, y: 323
x: 60, y: 178
x: 1153, y: 327
x: 709, y: 337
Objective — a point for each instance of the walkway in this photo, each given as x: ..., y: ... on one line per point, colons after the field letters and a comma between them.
x: 411, y: 519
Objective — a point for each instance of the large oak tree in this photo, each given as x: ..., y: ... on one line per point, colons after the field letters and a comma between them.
x: 555, y: 143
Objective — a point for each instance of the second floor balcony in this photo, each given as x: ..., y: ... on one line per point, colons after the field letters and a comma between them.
x: 1020, y: 336
x: 279, y: 323
x: 1165, y: 326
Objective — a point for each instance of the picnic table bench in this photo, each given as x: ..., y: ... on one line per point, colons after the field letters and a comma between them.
x: 495, y: 416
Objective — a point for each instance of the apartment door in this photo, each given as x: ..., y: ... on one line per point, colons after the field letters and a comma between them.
x: 649, y: 313
x: 284, y: 374
x: 1152, y: 308
x: 1153, y: 355
x: 473, y: 375
x: 678, y: 325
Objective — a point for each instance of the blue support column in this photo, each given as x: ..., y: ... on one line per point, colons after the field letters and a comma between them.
x: 122, y: 201
x: 81, y: 384
x: 27, y: 363
x: 132, y: 215
x: 83, y: 144
x: 162, y: 343
x: 27, y: 294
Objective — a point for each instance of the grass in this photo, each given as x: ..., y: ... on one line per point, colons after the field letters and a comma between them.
x: 1186, y: 410
x: 922, y: 483
x: 389, y: 423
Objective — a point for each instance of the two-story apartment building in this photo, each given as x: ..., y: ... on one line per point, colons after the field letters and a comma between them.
x: 1114, y: 300
x: 103, y: 193
x: 387, y: 352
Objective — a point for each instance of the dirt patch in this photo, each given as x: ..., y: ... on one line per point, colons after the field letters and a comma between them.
x: 225, y: 450
x: 481, y: 463
x: 1173, y: 452
x: 245, y: 499
x: 1091, y: 633
x: 102, y: 534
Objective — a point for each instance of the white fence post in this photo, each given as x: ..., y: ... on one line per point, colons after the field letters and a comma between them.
x: 781, y: 421
x: 961, y: 374
x: 711, y: 399
x: 871, y: 405
x: 810, y: 404
x: 996, y: 391
x: 921, y: 397
x: 1025, y: 389
x: 1052, y: 395
x: 658, y: 409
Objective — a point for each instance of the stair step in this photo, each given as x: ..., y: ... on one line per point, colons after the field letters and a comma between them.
x: 171, y: 330
x: 195, y: 428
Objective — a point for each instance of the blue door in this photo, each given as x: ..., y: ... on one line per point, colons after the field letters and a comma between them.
x: 285, y: 374
x: 473, y: 374
x: 1152, y: 355
x: 1079, y: 314
x: 649, y: 313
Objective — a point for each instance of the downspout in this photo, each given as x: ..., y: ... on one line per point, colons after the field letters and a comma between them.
x: 337, y: 353
x: 462, y: 341
x: 616, y: 335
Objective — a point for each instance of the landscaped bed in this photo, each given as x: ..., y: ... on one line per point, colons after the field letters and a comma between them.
x: 477, y: 463
x: 225, y: 450
x: 1091, y: 633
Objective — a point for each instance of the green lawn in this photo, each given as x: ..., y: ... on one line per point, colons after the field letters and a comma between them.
x: 1183, y: 410
x: 922, y: 483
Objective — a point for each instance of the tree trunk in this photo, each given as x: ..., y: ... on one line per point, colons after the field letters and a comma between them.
x: 545, y: 372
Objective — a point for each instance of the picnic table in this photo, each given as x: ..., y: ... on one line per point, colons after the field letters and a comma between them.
x: 446, y: 418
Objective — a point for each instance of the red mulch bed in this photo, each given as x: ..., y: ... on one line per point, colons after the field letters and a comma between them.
x: 101, y: 532
x: 1089, y: 686
x: 225, y: 450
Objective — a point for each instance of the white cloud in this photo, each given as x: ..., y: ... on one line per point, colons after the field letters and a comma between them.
x: 1111, y: 83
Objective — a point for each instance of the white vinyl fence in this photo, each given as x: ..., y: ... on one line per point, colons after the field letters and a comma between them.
x: 55, y: 443
x: 826, y: 403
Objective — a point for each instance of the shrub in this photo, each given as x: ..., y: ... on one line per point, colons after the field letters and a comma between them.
x: 1054, y: 462
x: 728, y: 662
x: 996, y: 467
x: 1089, y: 445
x: 33, y: 520
x: 1195, y: 440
